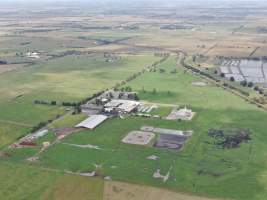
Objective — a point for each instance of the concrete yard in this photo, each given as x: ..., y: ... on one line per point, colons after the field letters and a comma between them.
x: 138, y: 137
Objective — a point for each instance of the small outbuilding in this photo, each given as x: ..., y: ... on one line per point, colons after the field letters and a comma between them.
x: 181, y: 114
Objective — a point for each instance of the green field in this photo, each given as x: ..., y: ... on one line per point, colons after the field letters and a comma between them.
x: 90, y: 49
x: 68, y: 121
x: 70, y: 79
x: 200, y: 168
x: 30, y: 183
x: 10, y: 132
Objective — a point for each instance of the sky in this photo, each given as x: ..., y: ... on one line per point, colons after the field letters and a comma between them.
x: 124, y: 2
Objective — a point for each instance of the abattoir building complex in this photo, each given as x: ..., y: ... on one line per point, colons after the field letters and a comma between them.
x: 121, y: 106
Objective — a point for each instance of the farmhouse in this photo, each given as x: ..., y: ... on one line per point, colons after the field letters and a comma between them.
x: 121, y: 106
x: 92, y: 121
x: 33, y: 55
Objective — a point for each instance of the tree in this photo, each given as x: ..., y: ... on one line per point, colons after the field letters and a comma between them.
x: 128, y: 89
x: 174, y: 71
x: 161, y: 70
x: 154, y: 91
x: 243, y: 83
x: 143, y: 89
x: 261, y: 91
x: 98, y: 101
x: 250, y: 84
x: 111, y: 95
x: 256, y: 88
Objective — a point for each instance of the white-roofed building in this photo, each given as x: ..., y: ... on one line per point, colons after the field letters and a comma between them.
x: 33, y: 55
x: 120, y: 105
x: 92, y: 121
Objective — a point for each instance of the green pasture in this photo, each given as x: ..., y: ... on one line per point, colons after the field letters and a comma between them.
x: 68, y: 121
x: 201, y: 167
x: 129, y: 163
x: 177, y: 88
x: 10, y: 132
x: 70, y: 79
x: 20, y: 181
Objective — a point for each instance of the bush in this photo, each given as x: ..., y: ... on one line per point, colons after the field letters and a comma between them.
x: 232, y: 79
x: 243, y: 83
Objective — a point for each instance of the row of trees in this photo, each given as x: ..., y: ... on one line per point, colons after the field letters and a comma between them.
x: 126, y: 89
x: 244, y: 83
x: 43, y: 124
x: 53, y: 103
x: 198, y: 71
x: 249, y: 84
x: 76, y: 105
x: 154, y: 91
x: 135, y: 75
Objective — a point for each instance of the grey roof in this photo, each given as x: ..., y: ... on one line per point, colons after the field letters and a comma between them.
x: 92, y: 121
x: 124, y: 105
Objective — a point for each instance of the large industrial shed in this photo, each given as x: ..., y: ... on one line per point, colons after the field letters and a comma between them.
x: 92, y: 121
x: 120, y: 105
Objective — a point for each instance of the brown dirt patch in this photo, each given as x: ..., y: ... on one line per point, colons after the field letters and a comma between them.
x: 121, y: 191
x: 7, y: 68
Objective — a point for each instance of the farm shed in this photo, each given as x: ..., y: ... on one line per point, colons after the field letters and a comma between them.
x: 92, y: 121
